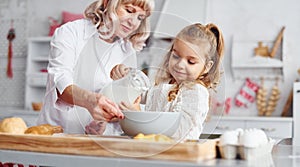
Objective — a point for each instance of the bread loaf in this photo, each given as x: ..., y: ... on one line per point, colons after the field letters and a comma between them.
x: 44, y: 129
x: 13, y: 125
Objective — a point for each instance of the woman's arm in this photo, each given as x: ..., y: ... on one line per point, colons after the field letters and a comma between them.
x: 66, y: 46
x: 99, y: 106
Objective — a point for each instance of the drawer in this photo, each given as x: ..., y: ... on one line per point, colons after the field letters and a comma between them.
x: 274, y: 129
x: 220, y: 126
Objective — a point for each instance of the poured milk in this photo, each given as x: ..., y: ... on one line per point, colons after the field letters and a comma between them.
x: 120, y: 93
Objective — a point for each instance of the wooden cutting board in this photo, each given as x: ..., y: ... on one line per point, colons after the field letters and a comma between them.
x: 111, y: 147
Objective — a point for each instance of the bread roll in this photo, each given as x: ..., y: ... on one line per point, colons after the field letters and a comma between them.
x: 13, y: 125
x: 44, y: 129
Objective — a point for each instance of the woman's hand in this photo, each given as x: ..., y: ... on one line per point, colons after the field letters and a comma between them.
x: 99, y: 106
x: 104, y: 109
x: 133, y: 107
x: 119, y: 71
x: 95, y: 127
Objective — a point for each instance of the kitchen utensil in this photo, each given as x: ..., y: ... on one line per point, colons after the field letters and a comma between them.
x: 128, y: 88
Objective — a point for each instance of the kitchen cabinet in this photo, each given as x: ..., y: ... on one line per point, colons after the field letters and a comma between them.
x: 296, y: 114
x: 176, y: 14
x: 274, y: 127
x: 36, y: 71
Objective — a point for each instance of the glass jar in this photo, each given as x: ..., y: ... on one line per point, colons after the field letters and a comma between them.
x: 128, y: 88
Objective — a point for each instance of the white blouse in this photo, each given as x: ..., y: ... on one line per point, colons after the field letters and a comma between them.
x: 193, y: 103
x: 78, y: 56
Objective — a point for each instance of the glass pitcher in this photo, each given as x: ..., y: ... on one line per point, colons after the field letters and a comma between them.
x: 128, y: 88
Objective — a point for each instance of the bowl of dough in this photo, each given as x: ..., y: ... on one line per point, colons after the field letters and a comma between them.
x: 150, y: 122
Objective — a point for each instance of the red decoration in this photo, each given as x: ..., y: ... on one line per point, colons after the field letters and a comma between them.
x: 53, y: 25
x: 227, y: 105
x: 247, y: 94
x: 10, y: 37
x: 66, y: 17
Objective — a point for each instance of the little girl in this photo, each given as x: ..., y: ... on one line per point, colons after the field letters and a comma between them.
x: 190, y: 68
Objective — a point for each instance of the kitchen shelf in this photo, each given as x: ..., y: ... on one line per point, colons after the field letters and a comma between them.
x: 258, y: 62
x: 245, y: 64
x: 40, y: 59
x: 37, y: 79
x: 37, y: 60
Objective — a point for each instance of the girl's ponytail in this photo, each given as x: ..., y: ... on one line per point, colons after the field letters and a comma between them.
x: 219, y: 38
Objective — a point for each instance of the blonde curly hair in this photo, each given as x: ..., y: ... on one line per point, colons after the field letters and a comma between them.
x: 103, y: 14
x: 196, y: 34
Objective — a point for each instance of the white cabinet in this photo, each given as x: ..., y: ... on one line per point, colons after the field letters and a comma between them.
x: 275, y: 127
x: 296, y: 114
x: 36, y: 74
x: 217, y: 125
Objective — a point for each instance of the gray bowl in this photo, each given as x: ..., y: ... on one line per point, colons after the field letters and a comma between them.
x: 148, y: 122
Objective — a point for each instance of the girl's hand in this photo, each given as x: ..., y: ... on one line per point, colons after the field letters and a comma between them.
x: 133, y: 107
x: 95, y: 127
x: 103, y: 109
x: 119, y: 71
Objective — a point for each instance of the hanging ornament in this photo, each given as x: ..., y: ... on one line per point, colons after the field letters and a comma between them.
x: 247, y: 94
x: 266, y: 106
x: 10, y: 37
x: 227, y: 105
x: 261, y: 99
x: 273, y: 99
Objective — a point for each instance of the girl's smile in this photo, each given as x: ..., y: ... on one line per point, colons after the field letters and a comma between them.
x: 186, y: 63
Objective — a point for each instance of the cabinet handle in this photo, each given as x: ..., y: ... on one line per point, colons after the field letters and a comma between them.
x: 222, y: 127
x: 298, y: 91
x: 268, y: 129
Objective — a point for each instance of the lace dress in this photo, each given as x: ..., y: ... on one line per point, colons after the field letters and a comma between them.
x: 192, y: 102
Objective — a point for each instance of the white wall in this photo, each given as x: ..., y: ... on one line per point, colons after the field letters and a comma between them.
x: 31, y: 20
x: 177, y: 14
x: 246, y: 17
x: 257, y: 18
x: 40, y: 10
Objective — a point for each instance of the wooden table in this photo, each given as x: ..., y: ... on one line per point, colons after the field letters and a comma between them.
x: 109, y: 147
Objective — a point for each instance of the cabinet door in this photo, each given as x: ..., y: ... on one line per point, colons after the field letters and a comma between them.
x: 273, y: 129
x: 220, y: 126
x: 296, y: 114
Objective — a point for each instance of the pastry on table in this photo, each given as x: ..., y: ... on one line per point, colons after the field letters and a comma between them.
x: 153, y: 137
x: 44, y: 129
x: 13, y: 125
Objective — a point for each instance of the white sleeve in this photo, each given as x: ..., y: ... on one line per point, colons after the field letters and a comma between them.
x: 62, y: 58
x: 193, y: 103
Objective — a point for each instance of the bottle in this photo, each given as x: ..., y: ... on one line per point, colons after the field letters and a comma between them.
x: 128, y: 88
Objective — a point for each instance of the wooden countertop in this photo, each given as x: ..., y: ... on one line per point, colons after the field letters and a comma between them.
x: 111, y: 147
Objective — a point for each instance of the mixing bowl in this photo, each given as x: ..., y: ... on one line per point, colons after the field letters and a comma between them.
x: 150, y: 122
